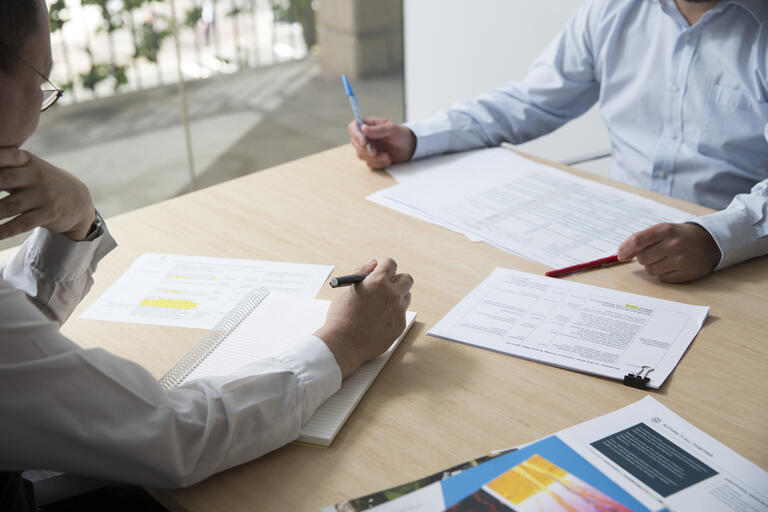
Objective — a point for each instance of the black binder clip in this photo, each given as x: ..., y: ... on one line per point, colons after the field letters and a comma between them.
x: 638, y: 380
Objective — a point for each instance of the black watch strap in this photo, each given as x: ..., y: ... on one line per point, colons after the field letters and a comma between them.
x: 97, y: 229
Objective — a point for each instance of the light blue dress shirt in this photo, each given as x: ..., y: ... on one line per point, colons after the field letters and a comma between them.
x: 686, y: 107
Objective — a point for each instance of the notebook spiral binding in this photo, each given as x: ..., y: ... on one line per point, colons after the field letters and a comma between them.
x: 203, y: 348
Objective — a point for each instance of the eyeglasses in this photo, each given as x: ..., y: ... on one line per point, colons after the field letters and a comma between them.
x: 51, y: 93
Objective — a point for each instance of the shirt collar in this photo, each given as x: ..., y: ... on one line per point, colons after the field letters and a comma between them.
x: 757, y: 8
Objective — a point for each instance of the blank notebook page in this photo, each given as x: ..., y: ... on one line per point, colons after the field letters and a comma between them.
x: 270, y: 329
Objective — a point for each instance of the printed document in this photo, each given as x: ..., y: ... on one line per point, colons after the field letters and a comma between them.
x: 195, y: 291
x: 654, y: 455
x: 575, y: 326
x: 530, y: 209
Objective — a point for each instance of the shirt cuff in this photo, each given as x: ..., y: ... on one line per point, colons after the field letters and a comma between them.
x: 317, y: 372
x: 431, y: 138
x: 61, y: 259
x: 736, y: 234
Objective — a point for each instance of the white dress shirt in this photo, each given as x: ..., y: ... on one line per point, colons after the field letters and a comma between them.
x: 91, y: 413
x: 686, y: 106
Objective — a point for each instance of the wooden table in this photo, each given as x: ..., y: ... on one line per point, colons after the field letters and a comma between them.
x: 436, y: 403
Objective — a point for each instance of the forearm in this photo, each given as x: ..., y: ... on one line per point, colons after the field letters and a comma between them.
x: 507, y: 114
x: 55, y: 272
x: 560, y: 86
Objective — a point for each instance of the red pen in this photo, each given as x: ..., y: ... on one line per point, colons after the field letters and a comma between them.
x: 602, y: 262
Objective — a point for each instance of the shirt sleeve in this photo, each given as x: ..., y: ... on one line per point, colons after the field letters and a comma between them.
x: 560, y: 86
x: 741, y: 230
x: 91, y: 413
x: 56, y: 272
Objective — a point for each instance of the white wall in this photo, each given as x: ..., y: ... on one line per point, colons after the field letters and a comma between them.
x: 459, y: 48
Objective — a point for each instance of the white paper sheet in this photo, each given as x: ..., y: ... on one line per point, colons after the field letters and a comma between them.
x: 575, y: 326
x: 196, y: 291
x: 530, y: 209
x: 418, y: 168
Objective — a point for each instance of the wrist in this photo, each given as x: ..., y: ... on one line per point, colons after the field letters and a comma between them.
x: 710, y: 248
x: 83, y: 228
x: 413, y: 142
x: 714, y: 252
x: 346, y: 360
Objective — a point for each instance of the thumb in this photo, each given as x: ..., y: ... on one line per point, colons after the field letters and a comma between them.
x: 13, y: 157
x: 626, y: 251
x: 637, y: 242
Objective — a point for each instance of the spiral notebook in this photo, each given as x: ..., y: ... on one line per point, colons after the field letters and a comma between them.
x: 263, y: 325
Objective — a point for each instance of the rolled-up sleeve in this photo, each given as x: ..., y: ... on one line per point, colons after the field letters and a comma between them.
x: 56, y: 272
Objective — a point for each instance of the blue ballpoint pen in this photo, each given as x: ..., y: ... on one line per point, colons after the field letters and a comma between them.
x: 355, y: 108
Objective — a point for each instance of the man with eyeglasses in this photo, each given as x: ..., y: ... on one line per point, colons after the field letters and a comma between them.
x: 43, y: 195
x: 683, y: 88
x: 94, y: 414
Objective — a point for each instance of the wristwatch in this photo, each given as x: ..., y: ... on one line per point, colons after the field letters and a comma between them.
x: 97, y: 228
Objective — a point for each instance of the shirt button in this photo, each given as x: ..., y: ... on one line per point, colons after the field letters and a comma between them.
x: 662, y: 175
x: 675, y: 88
x: 687, y: 37
x: 674, y: 136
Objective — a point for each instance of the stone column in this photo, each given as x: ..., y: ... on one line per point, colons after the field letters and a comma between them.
x: 361, y: 37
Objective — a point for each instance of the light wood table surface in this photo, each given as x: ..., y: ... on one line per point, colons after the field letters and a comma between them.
x: 436, y: 403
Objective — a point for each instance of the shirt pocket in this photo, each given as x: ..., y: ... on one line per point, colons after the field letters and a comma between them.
x: 733, y: 128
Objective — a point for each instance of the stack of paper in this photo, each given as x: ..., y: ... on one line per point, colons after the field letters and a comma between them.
x: 533, y: 210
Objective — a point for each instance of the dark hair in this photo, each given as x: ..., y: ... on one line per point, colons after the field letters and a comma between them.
x: 18, y: 19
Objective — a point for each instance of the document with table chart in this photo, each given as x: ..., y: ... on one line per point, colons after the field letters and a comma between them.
x: 576, y: 326
x: 533, y: 210
x: 197, y: 291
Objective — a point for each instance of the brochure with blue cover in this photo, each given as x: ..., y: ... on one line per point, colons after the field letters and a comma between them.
x: 547, y: 471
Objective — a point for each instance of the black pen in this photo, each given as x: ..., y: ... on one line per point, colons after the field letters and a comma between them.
x: 347, y: 280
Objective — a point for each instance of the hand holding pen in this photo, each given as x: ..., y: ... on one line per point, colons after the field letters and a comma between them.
x: 378, y: 141
x: 363, y: 320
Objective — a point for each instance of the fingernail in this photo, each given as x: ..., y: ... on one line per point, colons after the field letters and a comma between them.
x: 372, y: 261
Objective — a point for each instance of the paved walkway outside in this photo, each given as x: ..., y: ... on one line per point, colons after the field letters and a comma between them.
x: 129, y: 149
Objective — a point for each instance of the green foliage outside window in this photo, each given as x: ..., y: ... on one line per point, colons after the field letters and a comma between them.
x: 58, y: 15
x: 193, y: 16
x: 150, y: 39
x: 149, y: 36
x: 298, y: 11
